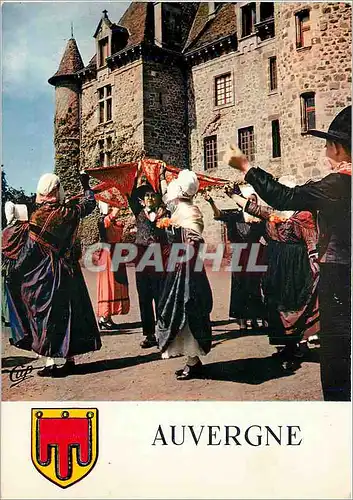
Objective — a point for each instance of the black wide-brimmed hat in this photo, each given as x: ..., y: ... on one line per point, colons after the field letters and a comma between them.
x: 141, y: 191
x: 340, y: 129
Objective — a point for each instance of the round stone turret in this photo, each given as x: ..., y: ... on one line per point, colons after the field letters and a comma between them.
x: 67, y: 118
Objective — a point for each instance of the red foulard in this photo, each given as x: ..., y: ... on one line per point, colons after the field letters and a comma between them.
x: 118, y: 181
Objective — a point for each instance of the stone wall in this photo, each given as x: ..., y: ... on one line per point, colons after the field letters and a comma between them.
x: 165, y: 113
x: 253, y: 105
x: 126, y: 127
x: 67, y: 136
x: 150, y: 113
x: 325, y: 68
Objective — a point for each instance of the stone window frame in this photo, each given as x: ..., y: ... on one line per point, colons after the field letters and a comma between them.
x: 246, y: 141
x: 210, y: 152
x: 307, y: 111
x: 276, y: 138
x: 298, y: 16
x: 271, y: 77
x: 104, y: 145
x: 105, y: 104
x: 214, y: 89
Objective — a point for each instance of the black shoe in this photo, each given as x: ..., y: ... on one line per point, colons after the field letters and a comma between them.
x: 288, y: 353
x: 190, y: 372
x: 304, y: 348
x: 67, y: 369
x: 47, y: 371
x: 148, y: 342
x: 107, y: 325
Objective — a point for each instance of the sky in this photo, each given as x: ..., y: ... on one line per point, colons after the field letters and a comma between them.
x: 34, y: 36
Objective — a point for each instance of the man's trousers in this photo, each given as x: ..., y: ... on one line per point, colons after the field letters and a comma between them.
x: 335, y: 331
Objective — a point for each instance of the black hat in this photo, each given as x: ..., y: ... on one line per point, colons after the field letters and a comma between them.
x: 340, y: 129
x: 141, y: 191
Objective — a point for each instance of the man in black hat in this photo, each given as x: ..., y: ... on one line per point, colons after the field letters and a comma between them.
x: 331, y: 198
x: 146, y: 205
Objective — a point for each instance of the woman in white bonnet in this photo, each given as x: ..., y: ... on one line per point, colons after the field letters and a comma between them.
x: 184, y: 326
x: 12, y: 242
x: 15, y: 213
x: 53, y: 293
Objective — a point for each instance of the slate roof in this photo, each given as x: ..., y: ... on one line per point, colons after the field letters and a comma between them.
x: 135, y: 20
x: 206, y: 30
x: 71, y: 62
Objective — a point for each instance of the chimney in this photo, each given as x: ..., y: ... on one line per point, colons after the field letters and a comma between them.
x: 158, y: 23
x: 211, y: 10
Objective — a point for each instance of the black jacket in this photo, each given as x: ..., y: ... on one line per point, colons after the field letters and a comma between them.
x: 330, y: 197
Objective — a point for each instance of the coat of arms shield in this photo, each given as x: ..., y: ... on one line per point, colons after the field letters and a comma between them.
x: 64, y: 443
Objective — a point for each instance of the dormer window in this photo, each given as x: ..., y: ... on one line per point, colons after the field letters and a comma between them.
x: 110, y: 38
x: 248, y: 19
x: 103, y: 51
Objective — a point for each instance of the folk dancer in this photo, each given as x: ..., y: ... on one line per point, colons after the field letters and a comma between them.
x: 112, y: 286
x: 290, y: 284
x: 12, y: 240
x: 246, y: 304
x: 331, y: 198
x: 53, y: 292
x: 184, y: 326
x: 148, y: 209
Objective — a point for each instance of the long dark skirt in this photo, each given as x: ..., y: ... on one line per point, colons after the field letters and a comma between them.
x: 50, y: 309
x: 245, y: 298
x: 186, y: 297
x: 289, y: 287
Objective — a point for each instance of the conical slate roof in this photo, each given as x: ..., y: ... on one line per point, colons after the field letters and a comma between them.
x: 71, y: 62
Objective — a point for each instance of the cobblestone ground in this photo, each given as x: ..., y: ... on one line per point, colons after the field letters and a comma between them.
x: 238, y: 368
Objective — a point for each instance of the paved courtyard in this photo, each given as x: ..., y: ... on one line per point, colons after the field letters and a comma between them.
x: 238, y: 368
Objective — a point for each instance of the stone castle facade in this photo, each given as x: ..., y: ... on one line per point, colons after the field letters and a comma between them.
x: 180, y: 81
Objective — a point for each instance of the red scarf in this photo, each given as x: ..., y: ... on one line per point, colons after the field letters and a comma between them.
x: 344, y: 168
